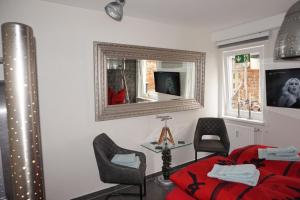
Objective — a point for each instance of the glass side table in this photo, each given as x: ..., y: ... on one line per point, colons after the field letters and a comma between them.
x: 165, y: 149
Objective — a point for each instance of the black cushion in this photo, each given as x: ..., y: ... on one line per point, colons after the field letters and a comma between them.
x: 211, y: 146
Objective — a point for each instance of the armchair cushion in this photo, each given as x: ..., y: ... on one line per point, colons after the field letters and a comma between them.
x: 211, y: 145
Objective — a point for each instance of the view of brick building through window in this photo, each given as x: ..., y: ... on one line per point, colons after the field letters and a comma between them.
x: 151, y: 67
x: 246, y: 84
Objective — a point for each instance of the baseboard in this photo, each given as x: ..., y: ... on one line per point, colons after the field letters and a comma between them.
x: 116, y: 188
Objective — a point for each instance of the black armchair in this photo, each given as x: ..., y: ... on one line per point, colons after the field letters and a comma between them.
x: 211, y: 126
x: 105, y: 149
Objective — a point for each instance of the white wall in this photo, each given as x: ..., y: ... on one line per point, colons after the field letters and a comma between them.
x: 282, y: 125
x: 249, y: 28
x: 65, y: 38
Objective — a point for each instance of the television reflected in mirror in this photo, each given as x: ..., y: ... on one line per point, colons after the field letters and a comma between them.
x: 283, y: 87
x: 167, y: 83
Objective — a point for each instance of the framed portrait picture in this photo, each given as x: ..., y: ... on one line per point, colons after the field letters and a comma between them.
x: 283, y: 87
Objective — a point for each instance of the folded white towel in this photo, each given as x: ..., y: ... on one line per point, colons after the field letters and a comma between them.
x: 246, y: 173
x: 282, y: 154
x: 247, y: 181
x: 124, y: 158
x: 246, y: 170
x: 263, y: 154
x: 286, y: 158
x: 135, y: 164
x: 283, y: 151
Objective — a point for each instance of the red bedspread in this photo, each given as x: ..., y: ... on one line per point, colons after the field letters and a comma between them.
x: 249, y: 154
x: 272, y: 184
x: 178, y: 194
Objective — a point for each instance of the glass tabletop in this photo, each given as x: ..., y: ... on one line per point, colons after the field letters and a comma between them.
x: 157, y: 148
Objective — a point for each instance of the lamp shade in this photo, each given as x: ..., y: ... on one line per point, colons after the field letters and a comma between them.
x: 288, y: 40
x: 115, y: 10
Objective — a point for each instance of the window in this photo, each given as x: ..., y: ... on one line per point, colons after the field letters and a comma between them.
x: 151, y: 67
x: 243, y: 81
x: 145, y: 78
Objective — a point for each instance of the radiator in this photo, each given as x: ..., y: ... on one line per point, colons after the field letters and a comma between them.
x: 240, y: 136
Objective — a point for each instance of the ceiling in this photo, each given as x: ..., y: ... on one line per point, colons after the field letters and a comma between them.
x: 213, y: 15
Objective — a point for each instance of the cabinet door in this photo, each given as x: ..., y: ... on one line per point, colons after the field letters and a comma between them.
x: 239, y: 136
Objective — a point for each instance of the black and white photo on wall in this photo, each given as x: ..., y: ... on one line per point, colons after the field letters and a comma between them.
x: 283, y: 87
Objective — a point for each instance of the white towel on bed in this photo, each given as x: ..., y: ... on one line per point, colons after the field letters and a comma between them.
x: 283, y: 154
x: 245, y: 173
x: 287, y: 151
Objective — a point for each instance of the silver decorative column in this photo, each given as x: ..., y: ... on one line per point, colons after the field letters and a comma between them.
x: 20, y: 76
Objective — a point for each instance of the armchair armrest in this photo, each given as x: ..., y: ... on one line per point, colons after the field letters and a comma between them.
x: 123, y: 174
x: 114, y: 173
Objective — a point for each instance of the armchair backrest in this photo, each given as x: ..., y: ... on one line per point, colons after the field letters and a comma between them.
x: 102, y: 143
x: 212, y: 126
x: 104, y: 149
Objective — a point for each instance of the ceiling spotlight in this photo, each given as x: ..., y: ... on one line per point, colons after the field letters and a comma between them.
x: 115, y: 9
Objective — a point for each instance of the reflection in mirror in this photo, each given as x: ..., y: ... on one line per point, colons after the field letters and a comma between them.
x: 133, y: 81
x: 136, y: 81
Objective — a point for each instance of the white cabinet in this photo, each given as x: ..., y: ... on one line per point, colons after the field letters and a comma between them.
x: 240, y: 136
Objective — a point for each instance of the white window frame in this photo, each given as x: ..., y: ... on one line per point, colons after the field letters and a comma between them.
x: 227, y: 79
x: 141, y: 79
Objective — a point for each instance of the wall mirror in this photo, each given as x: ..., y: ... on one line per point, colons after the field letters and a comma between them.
x: 135, y: 80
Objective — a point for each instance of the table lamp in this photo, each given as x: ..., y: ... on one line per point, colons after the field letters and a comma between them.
x: 165, y: 134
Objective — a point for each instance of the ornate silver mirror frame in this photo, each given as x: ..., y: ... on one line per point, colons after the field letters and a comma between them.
x: 102, y: 51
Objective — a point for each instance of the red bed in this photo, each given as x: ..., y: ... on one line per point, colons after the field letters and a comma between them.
x: 279, y: 180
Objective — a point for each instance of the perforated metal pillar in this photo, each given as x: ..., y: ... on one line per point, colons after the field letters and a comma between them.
x: 2, y: 186
x: 5, y: 182
x: 21, y: 95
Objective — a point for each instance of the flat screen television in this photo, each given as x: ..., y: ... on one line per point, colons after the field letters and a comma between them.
x: 167, y: 82
x: 283, y: 88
